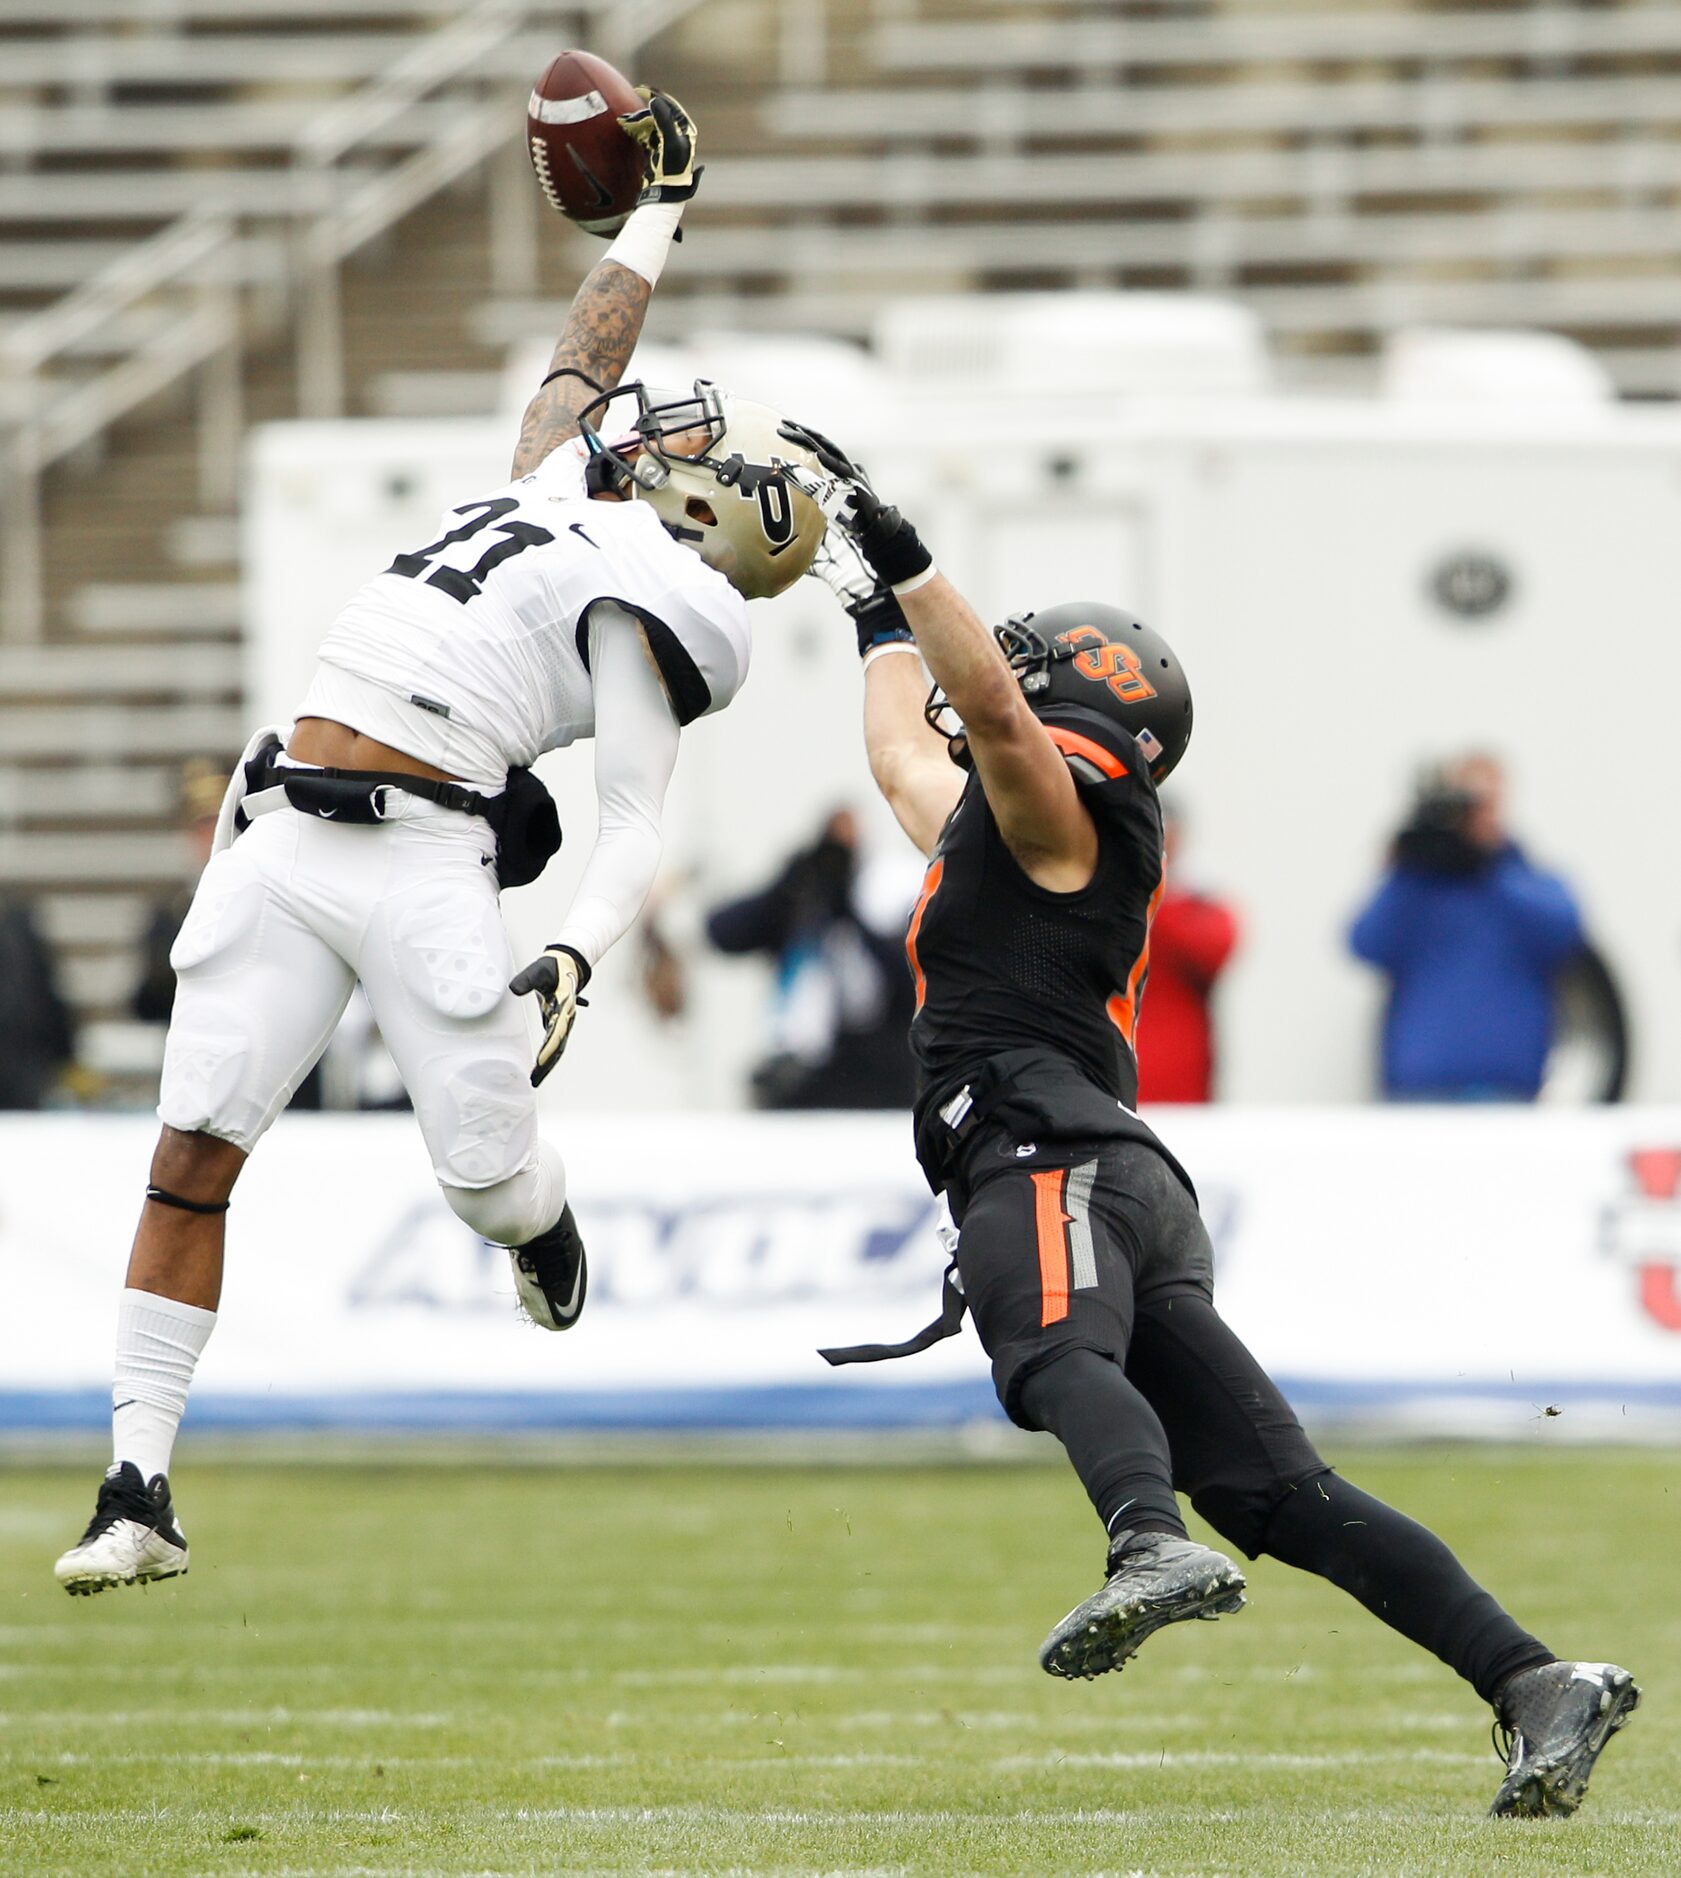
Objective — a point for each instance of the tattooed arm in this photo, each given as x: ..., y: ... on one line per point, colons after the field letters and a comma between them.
x: 601, y: 333
x: 608, y: 311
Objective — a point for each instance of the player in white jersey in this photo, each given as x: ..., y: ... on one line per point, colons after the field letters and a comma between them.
x: 601, y: 593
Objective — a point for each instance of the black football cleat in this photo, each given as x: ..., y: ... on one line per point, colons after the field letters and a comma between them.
x: 552, y: 1275
x: 1556, y: 1720
x: 1154, y: 1579
x: 133, y: 1537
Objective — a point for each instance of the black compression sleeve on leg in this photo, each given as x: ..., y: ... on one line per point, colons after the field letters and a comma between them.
x: 1404, y: 1574
x: 165, y: 1198
x: 1112, y: 1436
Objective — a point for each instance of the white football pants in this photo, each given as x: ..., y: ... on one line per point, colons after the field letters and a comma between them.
x: 283, y: 924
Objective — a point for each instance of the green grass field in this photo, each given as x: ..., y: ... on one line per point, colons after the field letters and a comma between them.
x: 481, y: 1668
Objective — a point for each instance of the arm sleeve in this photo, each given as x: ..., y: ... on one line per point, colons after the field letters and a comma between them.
x: 636, y: 737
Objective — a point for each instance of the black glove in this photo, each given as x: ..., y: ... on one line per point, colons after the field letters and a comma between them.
x: 889, y: 544
x: 829, y: 453
x: 667, y: 133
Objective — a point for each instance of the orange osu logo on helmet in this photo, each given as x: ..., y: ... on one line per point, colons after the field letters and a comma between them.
x: 1106, y: 662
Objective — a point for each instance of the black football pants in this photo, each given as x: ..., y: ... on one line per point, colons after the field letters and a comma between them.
x: 1090, y: 1277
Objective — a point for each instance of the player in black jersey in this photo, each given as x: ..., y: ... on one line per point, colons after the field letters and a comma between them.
x: 1081, y: 1253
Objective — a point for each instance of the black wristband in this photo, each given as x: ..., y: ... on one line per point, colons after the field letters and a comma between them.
x: 880, y: 621
x: 571, y: 371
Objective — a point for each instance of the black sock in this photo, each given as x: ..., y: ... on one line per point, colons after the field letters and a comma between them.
x: 1113, y: 1438
x: 1404, y: 1574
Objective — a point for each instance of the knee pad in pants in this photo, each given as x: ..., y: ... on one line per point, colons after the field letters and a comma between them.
x: 516, y: 1210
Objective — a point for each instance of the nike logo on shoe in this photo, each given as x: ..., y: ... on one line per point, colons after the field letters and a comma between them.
x: 565, y: 1313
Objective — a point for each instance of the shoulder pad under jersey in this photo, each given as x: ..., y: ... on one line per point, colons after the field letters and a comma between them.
x: 1104, y: 759
x: 698, y: 634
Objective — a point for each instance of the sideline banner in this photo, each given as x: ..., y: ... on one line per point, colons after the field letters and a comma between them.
x: 1471, y: 1271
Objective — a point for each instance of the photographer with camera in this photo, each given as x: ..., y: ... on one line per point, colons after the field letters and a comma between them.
x: 834, y: 923
x: 1472, y: 937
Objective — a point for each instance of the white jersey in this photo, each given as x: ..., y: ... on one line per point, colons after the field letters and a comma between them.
x: 472, y: 651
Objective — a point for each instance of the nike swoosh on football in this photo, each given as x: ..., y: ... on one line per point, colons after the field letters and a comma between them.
x: 603, y: 196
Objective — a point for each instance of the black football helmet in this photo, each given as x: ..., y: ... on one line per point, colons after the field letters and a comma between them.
x: 1083, y: 667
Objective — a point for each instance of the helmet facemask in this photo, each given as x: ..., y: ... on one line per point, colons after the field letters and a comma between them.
x: 714, y: 469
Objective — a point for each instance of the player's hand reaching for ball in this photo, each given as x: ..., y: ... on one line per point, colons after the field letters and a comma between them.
x: 871, y: 606
x: 667, y: 132
x: 557, y: 978
x: 889, y: 544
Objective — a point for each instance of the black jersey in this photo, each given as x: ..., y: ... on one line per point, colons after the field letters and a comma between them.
x: 1002, y: 964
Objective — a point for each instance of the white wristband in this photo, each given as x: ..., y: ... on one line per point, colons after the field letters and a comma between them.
x: 915, y: 581
x: 891, y: 645
x: 646, y: 238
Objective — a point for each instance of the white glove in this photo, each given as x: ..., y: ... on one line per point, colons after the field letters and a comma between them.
x: 557, y: 978
x: 840, y: 567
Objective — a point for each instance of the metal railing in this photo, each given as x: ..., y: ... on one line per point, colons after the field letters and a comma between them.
x: 175, y: 305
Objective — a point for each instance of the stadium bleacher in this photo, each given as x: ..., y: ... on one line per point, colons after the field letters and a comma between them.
x: 186, y: 187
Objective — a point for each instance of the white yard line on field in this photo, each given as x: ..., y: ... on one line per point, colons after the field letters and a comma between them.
x: 1192, y: 1759
x: 226, y: 1718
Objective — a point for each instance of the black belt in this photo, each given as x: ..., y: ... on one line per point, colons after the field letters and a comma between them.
x: 522, y: 815
x: 357, y: 796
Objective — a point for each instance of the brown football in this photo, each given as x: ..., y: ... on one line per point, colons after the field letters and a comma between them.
x: 586, y: 165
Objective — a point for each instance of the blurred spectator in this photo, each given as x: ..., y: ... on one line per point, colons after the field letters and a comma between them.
x: 1472, y: 938
x: 665, y: 981
x: 37, y: 1041
x: 844, y: 999
x: 1191, y: 939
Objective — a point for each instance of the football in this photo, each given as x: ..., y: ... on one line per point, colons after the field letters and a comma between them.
x: 586, y: 165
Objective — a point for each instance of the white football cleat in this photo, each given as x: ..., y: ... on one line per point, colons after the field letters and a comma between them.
x: 132, y: 1538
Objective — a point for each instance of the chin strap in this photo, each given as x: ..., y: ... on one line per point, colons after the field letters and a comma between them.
x: 165, y: 1198
x: 603, y: 476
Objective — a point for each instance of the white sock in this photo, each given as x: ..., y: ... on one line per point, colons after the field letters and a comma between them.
x: 159, y: 1343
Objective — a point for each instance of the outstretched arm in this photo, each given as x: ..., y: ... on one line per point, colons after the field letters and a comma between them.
x: 1032, y: 796
x: 601, y: 333
x: 1028, y: 787
x: 910, y: 762
x: 609, y: 308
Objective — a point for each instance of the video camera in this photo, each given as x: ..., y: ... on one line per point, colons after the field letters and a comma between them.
x: 1436, y: 836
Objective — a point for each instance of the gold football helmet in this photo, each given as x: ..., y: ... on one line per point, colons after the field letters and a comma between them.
x: 714, y: 469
